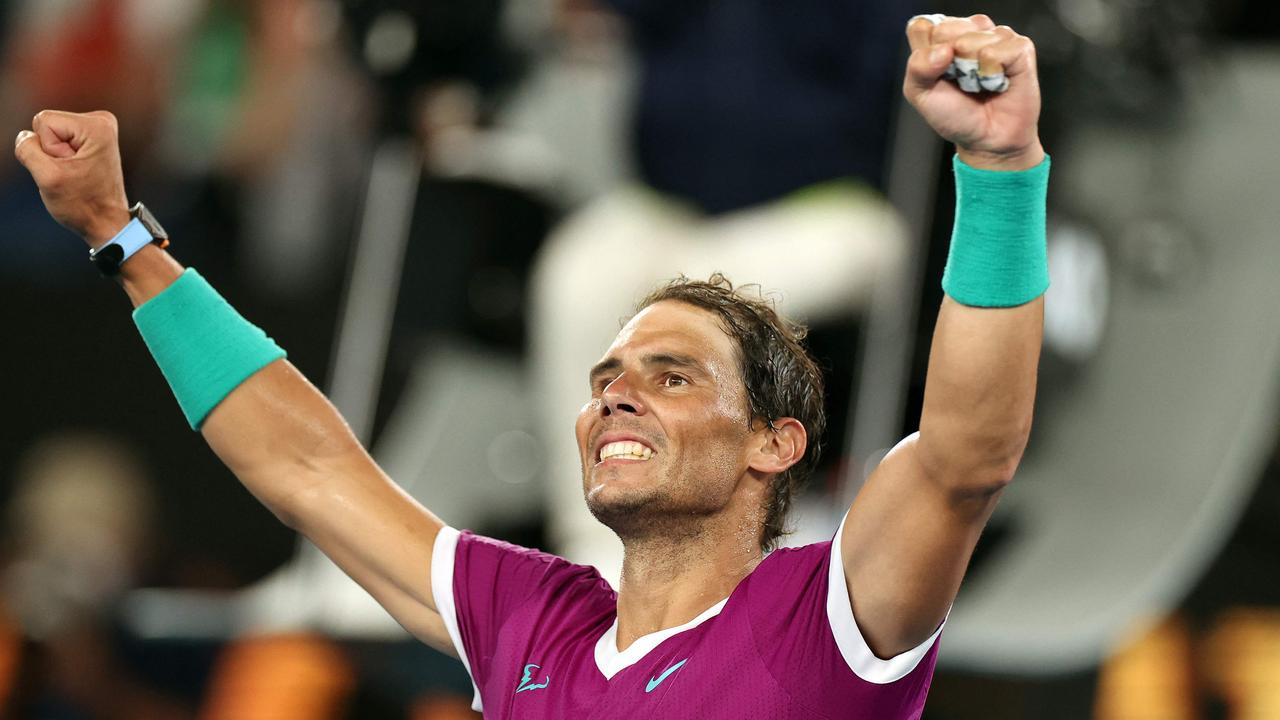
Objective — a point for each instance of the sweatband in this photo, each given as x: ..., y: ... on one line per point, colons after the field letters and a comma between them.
x: 998, y: 256
x: 204, y: 348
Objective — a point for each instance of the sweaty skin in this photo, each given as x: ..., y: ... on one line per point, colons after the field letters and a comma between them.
x: 690, y: 515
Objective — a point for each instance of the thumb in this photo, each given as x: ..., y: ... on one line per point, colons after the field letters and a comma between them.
x: 926, y: 67
x: 28, y: 151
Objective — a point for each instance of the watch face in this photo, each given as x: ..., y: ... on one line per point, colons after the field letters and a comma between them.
x: 108, y: 258
x: 149, y: 221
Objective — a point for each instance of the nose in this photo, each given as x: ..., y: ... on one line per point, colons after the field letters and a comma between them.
x: 619, y: 397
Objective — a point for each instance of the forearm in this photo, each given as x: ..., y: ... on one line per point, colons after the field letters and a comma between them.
x: 282, y: 438
x: 285, y: 441
x: 981, y: 381
x: 275, y: 430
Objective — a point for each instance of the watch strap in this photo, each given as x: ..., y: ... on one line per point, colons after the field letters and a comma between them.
x: 132, y: 238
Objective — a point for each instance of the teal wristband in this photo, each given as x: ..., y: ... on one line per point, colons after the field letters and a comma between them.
x: 203, y: 346
x: 998, y: 256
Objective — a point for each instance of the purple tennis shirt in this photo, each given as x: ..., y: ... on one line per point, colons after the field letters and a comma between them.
x: 538, y: 635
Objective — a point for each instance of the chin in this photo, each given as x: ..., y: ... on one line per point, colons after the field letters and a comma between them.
x: 621, y: 505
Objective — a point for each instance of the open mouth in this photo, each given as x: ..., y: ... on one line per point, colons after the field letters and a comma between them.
x: 625, y: 450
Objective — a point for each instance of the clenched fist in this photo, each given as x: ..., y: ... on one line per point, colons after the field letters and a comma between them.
x: 997, y: 131
x: 75, y: 160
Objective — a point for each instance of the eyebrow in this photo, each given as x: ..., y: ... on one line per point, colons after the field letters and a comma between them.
x: 665, y: 359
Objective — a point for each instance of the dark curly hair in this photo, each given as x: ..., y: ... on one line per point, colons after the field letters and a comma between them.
x: 781, y: 378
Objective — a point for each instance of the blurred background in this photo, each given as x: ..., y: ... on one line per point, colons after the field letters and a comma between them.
x: 443, y: 208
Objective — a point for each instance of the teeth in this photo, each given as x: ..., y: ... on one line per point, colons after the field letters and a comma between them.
x: 625, y: 449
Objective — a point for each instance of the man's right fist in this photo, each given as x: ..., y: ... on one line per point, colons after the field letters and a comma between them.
x: 75, y: 160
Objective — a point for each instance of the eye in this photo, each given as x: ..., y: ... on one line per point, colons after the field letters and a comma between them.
x: 673, y: 380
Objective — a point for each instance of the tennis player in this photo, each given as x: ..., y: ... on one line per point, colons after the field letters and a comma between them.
x: 700, y: 420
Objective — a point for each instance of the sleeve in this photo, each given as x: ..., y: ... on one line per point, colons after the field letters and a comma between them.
x: 853, y: 647
x: 443, y: 555
x: 478, y: 584
x: 805, y: 633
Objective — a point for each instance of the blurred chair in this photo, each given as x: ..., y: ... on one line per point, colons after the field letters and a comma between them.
x: 1152, y: 677
x: 266, y: 677
x: 1242, y: 662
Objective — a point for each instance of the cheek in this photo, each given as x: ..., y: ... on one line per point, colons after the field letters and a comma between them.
x: 717, y: 437
x: 583, y: 424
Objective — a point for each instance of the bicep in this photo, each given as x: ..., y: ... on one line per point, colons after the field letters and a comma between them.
x: 420, y: 620
x: 906, y: 543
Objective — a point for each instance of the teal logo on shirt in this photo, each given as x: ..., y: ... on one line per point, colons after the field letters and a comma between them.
x: 655, y: 682
x: 526, y: 682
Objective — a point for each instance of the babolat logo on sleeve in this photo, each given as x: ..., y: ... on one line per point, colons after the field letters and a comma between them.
x: 526, y: 681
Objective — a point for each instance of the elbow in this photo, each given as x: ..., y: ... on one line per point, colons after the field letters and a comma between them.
x: 306, y: 484
x: 974, y: 463
x: 293, y: 508
x: 997, y: 474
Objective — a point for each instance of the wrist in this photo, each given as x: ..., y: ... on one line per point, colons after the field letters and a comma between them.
x: 1020, y: 159
x: 204, y: 348
x: 106, y: 225
x: 998, y: 256
x: 148, y: 273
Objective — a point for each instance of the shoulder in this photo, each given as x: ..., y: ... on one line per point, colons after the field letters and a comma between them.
x: 790, y: 562
x: 798, y: 602
x: 788, y: 585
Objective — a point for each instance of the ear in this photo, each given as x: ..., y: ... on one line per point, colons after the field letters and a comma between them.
x: 778, y: 448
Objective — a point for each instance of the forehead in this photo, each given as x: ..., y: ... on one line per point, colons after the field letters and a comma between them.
x: 671, y: 325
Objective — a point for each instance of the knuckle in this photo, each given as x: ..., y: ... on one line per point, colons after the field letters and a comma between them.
x: 968, y: 44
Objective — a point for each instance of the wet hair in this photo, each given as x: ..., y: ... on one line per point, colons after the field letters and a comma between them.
x: 781, y: 378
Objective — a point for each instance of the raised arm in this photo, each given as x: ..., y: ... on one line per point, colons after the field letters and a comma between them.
x: 275, y: 430
x: 911, y: 530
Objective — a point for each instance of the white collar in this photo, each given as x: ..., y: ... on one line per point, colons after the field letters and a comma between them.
x: 611, y: 662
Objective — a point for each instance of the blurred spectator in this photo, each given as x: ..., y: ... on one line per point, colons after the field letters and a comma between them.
x: 77, y: 538
x: 78, y: 55
x: 242, y: 123
x: 759, y: 131
x: 270, y: 124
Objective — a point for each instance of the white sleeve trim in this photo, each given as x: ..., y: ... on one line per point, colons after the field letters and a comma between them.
x: 853, y: 647
x: 443, y: 555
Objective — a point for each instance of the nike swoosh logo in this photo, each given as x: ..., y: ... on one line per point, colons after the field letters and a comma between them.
x: 655, y: 682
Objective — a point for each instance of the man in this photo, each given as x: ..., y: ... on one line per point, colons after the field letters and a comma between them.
x: 695, y: 421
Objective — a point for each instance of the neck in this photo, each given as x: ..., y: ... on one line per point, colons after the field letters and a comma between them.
x: 671, y: 577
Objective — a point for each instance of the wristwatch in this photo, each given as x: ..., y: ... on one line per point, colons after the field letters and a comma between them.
x: 141, y: 231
